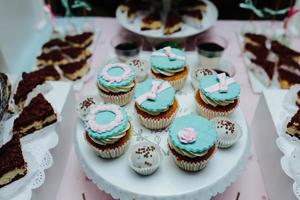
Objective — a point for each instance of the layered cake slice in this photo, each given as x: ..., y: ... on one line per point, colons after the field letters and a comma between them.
x: 288, y: 72
x: 35, y: 116
x: 54, y: 43
x: 255, y: 39
x: 173, y: 24
x: 53, y: 57
x: 76, y: 53
x: 285, y: 51
x: 151, y: 22
x: 256, y: 52
x: 82, y: 40
x: 12, y: 163
x: 75, y: 70
x: 293, y: 127
x: 263, y: 70
x: 192, y: 17
x: 48, y: 73
x: 5, y: 93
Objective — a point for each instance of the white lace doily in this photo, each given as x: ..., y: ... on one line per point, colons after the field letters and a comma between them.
x: 168, y: 182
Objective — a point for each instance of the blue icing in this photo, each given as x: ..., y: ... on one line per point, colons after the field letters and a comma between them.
x: 232, y: 93
x: 205, y: 130
x: 164, y: 63
x: 116, y: 71
x: 105, y: 117
x: 162, y: 101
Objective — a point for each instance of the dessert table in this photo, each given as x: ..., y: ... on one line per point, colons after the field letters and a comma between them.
x: 249, y: 186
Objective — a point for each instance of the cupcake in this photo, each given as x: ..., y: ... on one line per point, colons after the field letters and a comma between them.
x: 228, y: 131
x: 192, y: 141
x: 116, y: 83
x: 155, y: 103
x: 108, y: 130
x: 218, y: 95
x: 169, y: 64
x: 198, y: 73
x: 145, y: 158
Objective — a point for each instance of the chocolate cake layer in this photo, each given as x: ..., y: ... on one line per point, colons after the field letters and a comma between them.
x: 55, y: 43
x: 11, y: 159
x: 287, y: 78
x: 73, y: 52
x: 80, y: 39
x: 36, y: 115
x: 260, y: 52
x: 55, y: 55
x: 283, y: 50
x: 173, y: 23
x: 293, y: 126
x: 47, y: 73
x: 72, y: 67
x: 5, y: 92
x: 268, y: 66
x: 257, y: 38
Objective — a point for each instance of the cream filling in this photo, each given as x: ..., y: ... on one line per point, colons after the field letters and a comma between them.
x: 112, y: 139
x: 298, y: 100
x: 153, y: 26
x: 215, y: 103
x: 293, y: 131
x: 167, y: 72
x: 117, y: 89
x: 89, y: 40
x: 9, y: 176
x: 37, y: 125
x: 187, y: 153
x: 291, y: 69
x: 79, y: 73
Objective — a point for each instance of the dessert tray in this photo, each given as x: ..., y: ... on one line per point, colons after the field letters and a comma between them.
x: 209, y: 18
x: 36, y: 148
x: 288, y: 145
x: 169, y: 182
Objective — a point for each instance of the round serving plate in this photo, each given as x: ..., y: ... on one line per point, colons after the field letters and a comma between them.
x: 169, y: 182
x: 209, y: 18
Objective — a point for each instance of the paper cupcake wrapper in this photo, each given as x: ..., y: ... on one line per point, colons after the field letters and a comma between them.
x: 223, y: 144
x: 145, y: 171
x: 121, y: 99
x: 156, y: 124
x: 178, y: 84
x: 189, y: 166
x: 210, y: 114
x: 111, y: 153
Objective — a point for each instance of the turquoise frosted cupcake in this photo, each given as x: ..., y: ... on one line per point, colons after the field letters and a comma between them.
x: 192, y: 141
x: 218, y: 96
x: 116, y: 83
x: 169, y: 64
x: 155, y: 103
x: 108, y: 130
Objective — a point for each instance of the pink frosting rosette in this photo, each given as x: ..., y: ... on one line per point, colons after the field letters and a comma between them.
x: 187, y: 135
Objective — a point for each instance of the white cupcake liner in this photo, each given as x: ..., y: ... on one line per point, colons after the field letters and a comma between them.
x: 147, y: 170
x: 289, y: 102
x: 156, y: 124
x: 210, y: 114
x: 111, y: 153
x: 230, y: 139
x: 119, y: 99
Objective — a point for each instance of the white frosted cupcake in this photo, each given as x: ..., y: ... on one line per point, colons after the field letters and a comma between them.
x: 228, y: 131
x: 155, y: 103
x: 145, y: 158
x: 116, y: 83
x: 108, y: 130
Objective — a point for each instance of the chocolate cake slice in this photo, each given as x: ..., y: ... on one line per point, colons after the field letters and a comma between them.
x: 285, y: 51
x: 264, y: 70
x: 76, y: 53
x: 151, y: 22
x: 293, y: 127
x: 173, y: 24
x: 255, y: 39
x: 48, y: 73
x: 51, y: 58
x: 12, y: 163
x: 288, y: 72
x: 75, y: 70
x: 256, y: 52
x: 82, y: 40
x: 54, y: 43
x: 35, y: 116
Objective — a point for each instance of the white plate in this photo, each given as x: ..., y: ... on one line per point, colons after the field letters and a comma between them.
x: 168, y: 182
x: 209, y: 18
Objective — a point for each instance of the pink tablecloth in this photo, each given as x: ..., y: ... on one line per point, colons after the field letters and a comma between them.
x: 249, y: 184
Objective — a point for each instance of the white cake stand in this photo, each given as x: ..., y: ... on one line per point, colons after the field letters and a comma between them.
x: 209, y: 18
x: 169, y: 182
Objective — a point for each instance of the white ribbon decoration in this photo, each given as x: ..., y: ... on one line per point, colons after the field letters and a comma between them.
x: 222, y: 86
x: 101, y: 128
x: 157, y: 87
x: 168, y: 53
x: 111, y: 79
